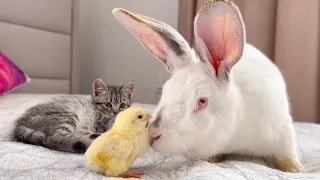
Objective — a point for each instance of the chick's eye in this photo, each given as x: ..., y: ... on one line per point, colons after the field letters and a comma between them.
x: 140, y: 116
x: 122, y: 105
x: 201, y: 104
x: 108, y: 105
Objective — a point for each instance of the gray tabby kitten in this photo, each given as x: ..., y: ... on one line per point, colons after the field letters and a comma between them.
x: 70, y: 123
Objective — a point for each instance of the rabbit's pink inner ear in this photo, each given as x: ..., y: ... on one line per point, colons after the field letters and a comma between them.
x: 220, y: 35
x: 146, y: 35
x: 157, y: 37
x: 152, y: 41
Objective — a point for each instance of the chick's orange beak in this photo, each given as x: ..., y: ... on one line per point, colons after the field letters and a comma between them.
x: 148, y: 117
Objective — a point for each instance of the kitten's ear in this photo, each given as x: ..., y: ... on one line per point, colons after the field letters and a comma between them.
x: 98, y: 87
x: 128, y: 89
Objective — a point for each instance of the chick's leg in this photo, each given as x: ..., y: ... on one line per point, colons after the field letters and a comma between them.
x: 119, y: 168
x: 132, y: 174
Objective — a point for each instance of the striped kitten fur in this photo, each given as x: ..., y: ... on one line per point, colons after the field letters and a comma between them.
x: 70, y: 123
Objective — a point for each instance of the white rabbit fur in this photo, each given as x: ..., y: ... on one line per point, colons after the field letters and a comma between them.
x: 249, y: 115
x: 247, y: 110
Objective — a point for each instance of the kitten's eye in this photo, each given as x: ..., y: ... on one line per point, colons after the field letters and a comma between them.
x: 108, y: 105
x: 201, y: 104
x: 122, y: 105
x: 140, y: 116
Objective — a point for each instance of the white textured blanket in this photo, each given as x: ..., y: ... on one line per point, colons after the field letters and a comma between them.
x: 21, y: 161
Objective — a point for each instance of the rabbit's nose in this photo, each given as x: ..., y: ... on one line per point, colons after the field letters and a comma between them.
x: 152, y: 129
x: 154, y: 133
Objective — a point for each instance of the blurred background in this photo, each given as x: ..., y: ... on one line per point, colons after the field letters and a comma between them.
x: 287, y: 31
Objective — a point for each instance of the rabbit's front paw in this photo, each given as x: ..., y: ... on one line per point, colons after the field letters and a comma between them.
x: 218, y: 158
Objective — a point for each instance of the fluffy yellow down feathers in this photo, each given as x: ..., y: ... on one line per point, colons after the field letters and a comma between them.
x: 113, y: 152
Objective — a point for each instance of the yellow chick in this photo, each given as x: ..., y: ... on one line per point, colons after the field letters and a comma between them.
x: 113, y: 152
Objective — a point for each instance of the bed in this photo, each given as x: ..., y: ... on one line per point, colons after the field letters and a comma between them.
x: 44, y: 44
x: 21, y: 161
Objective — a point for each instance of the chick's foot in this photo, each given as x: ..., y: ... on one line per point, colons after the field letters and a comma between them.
x: 132, y: 174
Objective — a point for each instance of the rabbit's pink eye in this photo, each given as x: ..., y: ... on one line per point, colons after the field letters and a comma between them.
x: 201, y: 104
x: 202, y: 101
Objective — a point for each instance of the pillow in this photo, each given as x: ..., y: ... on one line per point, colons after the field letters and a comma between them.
x: 11, y: 76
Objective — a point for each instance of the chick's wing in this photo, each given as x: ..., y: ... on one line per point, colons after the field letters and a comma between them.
x: 119, y: 147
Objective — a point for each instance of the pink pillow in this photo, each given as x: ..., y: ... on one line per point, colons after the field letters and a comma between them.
x: 11, y: 76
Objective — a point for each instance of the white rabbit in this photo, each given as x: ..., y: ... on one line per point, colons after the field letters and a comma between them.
x: 225, y: 97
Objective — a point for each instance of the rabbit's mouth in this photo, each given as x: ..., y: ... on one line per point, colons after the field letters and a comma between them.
x: 153, y: 139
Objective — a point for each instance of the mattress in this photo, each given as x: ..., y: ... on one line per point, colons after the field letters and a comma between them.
x: 22, y: 161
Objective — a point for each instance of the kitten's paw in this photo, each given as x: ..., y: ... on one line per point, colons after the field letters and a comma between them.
x: 38, y: 138
x: 290, y: 164
x: 79, y: 147
x: 94, y: 136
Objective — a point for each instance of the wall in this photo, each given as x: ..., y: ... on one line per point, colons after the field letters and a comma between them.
x: 297, y: 55
x: 110, y: 52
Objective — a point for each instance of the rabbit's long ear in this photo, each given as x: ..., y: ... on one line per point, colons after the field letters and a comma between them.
x: 220, y: 36
x: 160, y: 39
